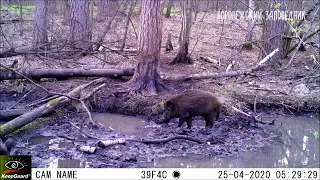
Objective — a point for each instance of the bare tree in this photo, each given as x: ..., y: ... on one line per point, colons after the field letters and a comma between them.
x: 169, y: 6
x: 195, y: 6
x: 66, y: 10
x: 40, y: 27
x: 146, y: 79
x: 182, y: 55
x: 132, y: 4
x: 80, y: 25
x: 250, y: 27
x: 106, y: 8
x: 273, y: 31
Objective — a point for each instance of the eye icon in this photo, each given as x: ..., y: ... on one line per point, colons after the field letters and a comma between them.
x: 14, y: 165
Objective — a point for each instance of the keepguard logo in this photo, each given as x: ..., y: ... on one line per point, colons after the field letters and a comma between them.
x: 15, y: 167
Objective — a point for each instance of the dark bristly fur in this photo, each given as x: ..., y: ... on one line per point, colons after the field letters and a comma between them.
x: 5, y: 148
x: 192, y: 103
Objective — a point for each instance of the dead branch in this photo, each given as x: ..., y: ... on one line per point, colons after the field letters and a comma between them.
x: 32, y: 82
x: 221, y: 74
x: 63, y: 73
x: 44, y: 109
x: 165, y: 140
x: 304, y: 39
x: 9, y: 21
x: 7, y: 115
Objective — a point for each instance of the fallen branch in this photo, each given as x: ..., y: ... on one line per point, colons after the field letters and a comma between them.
x: 222, y: 74
x: 255, y: 118
x: 44, y: 109
x: 64, y: 73
x: 7, y: 115
x: 9, y: 21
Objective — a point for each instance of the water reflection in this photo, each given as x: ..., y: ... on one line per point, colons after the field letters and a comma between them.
x: 299, y: 148
x: 125, y: 125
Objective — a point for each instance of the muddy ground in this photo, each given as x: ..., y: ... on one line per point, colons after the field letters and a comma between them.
x: 275, y: 91
x: 233, y: 132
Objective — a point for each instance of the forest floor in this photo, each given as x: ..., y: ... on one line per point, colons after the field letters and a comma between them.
x: 274, y: 91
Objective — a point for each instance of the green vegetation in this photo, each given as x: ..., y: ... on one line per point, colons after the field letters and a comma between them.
x: 316, y: 135
x: 16, y: 9
x: 174, y: 11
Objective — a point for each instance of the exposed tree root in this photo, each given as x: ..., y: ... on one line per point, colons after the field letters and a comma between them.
x: 106, y: 142
x: 146, y: 79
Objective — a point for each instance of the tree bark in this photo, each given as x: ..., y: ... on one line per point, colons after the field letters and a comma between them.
x: 168, y: 11
x: 80, y: 25
x: 146, y: 79
x: 273, y: 32
x: 182, y: 55
x: 40, y: 27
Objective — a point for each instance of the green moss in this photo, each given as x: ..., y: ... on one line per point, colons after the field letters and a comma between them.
x: 2, y: 127
x: 35, y: 124
x: 54, y: 101
x: 16, y: 9
x: 174, y: 11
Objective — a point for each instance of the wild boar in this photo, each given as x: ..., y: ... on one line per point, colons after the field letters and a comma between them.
x: 5, y: 148
x: 192, y: 103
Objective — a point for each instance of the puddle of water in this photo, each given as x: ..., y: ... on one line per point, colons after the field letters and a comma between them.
x: 300, y: 148
x: 51, y: 142
x: 125, y: 125
x: 68, y: 163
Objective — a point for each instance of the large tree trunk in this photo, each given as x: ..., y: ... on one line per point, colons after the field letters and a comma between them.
x: 146, y: 79
x: 168, y: 11
x: 182, y: 55
x: 40, y: 27
x: 273, y: 32
x: 81, y: 32
x: 248, y: 44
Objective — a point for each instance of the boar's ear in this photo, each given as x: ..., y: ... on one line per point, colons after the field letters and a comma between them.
x: 170, y: 104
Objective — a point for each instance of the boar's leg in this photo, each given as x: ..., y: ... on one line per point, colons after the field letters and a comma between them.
x: 181, y: 121
x: 209, y: 120
x: 183, y: 117
x: 165, y: 121
x: 189, y: 121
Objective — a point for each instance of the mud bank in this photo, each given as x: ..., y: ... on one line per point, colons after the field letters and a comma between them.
x: 233, y: 133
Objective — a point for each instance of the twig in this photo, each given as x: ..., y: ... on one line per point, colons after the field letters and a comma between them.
x: 238, y: 110
x: 24, y: 96
x: 255, y: 106
x: 42, y: 100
